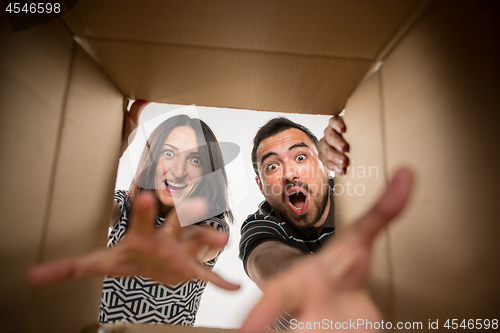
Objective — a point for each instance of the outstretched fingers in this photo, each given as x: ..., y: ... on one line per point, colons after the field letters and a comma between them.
x: 390, y: 204
x: 143, y: 215
x: 52, y: 273
x: 202, y: 242
x: 207, y: 275
x: 60, y: 271
x: 265, y: 311
x: 189, y: 211
x: 185, y: 213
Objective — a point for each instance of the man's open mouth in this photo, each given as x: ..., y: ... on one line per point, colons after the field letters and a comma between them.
x: 298, y: 200
x: 173, y: 187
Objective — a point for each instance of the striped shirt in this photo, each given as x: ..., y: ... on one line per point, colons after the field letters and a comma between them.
x: 136, y: 299
x: 266, y: 225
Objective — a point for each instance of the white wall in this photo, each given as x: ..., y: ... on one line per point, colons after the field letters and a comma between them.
x: 220, y: 308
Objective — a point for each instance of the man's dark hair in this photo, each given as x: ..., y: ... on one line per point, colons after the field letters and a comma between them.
x: 273, y: 127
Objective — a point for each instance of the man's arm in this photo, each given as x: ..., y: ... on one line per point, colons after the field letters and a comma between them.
x: 270, y: 258
x: 331, y: 284
x: 130, y: 123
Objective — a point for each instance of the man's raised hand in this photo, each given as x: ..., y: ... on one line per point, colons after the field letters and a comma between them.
x: 131, y: 120
x: 333, y: 147
x: 330, y: 285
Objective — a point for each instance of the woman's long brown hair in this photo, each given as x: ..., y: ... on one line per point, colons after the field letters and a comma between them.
x: 213, y: 185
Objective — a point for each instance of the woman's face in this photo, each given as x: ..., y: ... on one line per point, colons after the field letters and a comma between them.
x: 178, y: 170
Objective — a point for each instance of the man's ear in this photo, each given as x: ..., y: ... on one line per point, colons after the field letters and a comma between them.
x: 257, y: 180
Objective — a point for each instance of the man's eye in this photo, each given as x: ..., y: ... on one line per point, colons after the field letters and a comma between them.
x: 272, y: 166
x: 300, y: 157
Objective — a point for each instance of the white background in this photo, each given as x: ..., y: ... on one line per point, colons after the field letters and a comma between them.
x: 218, y: 307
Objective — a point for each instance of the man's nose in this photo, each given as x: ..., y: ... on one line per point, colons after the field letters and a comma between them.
x: 290, y: 172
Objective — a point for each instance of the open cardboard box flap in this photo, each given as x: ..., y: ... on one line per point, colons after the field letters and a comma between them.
x: 286, y: 56
x: 419, y: 80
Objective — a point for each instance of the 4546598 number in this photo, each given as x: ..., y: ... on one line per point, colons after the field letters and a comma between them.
x: 471, y: 324
x: 34, y: 7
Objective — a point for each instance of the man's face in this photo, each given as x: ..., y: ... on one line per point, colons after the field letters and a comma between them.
x: 292, y: 178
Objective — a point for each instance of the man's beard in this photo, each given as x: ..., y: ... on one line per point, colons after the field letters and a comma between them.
x: 319, y: 200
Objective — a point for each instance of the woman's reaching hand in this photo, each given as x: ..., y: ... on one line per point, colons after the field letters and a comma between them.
x: 169, y: 254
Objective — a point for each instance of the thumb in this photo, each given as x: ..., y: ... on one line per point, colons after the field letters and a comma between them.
x: 186, y: 213
x: 143, y: 215
x: 390, y: 204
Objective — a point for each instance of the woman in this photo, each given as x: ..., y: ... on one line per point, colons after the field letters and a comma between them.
x: 182, y: 160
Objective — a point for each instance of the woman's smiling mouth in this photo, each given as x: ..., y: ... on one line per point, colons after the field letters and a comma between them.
x: 174, y: 187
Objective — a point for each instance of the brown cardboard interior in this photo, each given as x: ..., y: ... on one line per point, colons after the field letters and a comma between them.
x: 86, y: 167
x: 445, y: 251
x: 275, y: 56
x: 366, y: 178
x: 438, y: 261
x: 32, y: 108
x: 61, y: 129
x: 433, y: 106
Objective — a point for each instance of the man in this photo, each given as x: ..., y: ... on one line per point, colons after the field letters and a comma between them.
x: 297, y: 219
x: 297, y: 216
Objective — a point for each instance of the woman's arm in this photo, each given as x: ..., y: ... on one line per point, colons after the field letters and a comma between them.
x: 146, y: 251
x: 116, y: 212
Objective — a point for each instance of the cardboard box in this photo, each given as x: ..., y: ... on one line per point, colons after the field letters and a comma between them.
x: 420, y: 81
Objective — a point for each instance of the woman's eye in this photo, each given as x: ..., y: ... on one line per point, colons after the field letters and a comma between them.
x: 300, y: 157
x: 196, y: 161
x: 168, y: 153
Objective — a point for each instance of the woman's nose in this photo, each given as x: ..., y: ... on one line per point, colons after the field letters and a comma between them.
x: 179, y: 169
